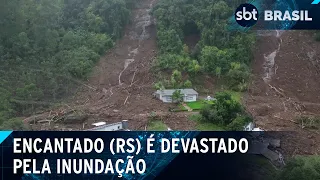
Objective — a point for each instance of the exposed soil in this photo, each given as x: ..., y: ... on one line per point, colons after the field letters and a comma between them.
x: 191, y: 41
x: 287, y: 87
x: 121, y: 85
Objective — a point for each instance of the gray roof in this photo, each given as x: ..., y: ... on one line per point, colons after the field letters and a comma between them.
x: 119, y: 126
x: 169, y: 92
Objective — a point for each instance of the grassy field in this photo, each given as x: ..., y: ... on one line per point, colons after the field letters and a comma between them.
x: 204, y: 126
x: 235, y: 95
x: 197, y: 105
x: 181, y: 107
x: 157, y: 126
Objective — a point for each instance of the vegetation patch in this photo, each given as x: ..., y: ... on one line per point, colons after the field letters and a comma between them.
x: 225, y: 112
x: 178, y: 108
x: 218, y: 53
x: 48, y: 46
x: 205, y: 126
x: 301, y: 167
x: 156, y: 125
x: 182, y: 108
x: 235, y: 95
x: 15, y: 123
x: 309, y: 122
x: 198, y: 105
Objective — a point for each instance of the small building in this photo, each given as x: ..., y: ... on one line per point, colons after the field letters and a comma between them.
x: 103, y: 126
x: 189, y: 95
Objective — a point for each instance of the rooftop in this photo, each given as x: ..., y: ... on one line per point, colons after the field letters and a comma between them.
x: 171, y: 91
x: 103, y: 126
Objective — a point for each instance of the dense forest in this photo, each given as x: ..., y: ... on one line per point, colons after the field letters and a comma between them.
x: 219, y: 51
x: 47, y: 46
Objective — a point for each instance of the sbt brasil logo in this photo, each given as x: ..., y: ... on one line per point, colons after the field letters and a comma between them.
x: 247, y: 15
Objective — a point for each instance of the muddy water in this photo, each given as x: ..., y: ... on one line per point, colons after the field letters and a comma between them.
x: 127, y: 62
x: 142, y: 20
x: 269, y: 59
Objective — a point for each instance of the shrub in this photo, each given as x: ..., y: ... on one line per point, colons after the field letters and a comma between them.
x: 159, y: 85
x: 177, y: 97
x: 99, y: 42
x: 309, y: 122
x: 80, y: 61
x: 226, y: 107
x: 13, y: 124
x: 307, y: 168
x: 187, y: 84
x: 238, y: 76
x: 226, y: 112
x: 238, y: 123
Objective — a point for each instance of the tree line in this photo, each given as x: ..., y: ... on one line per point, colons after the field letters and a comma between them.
x: 46, y: 46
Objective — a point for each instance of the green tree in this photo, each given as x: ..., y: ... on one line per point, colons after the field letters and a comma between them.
x: 238, y: 76
x: 212, y: 57
x: 185, y: 50
x: 93, y: 22
x: 194, y: 68
x: 218, y: 72
x: 169, y: 42
x: 177, y: 97
x: 14, y: 124
x: 98, y: 42
x: 176, y: 79
x: 217, y: 47
x: 187, y: 84
x: 6, y: 107
x: 223, y: 111
x: 46, y: 44
x: 159, y: 86
x: 29, y: 92
x: 71, y: 40
x: 300, y: 167
x: 241, y: 46
x: 239, y: 123
x: 81, y: 61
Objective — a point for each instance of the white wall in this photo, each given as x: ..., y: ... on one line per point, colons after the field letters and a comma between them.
x: 165, y: 99
x: 190, y: 98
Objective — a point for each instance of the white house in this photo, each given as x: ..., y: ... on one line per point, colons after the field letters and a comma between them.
x: 189, y: 95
